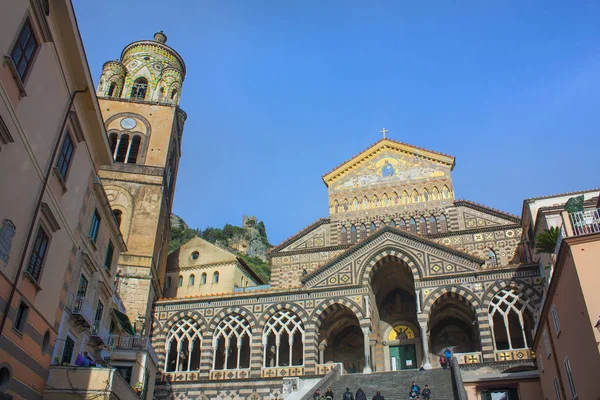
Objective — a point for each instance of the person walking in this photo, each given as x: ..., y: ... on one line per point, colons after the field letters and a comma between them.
x: 426, y: 393
x: 448, y: 355
x: 443, y: 361
x: 360, y: 395
x: 348, y: 395
x: 378, y: 396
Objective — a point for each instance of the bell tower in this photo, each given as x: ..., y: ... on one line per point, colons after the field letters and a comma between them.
x: 139, y: 98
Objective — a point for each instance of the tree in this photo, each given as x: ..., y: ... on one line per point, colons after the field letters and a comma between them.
x: 545, y: 242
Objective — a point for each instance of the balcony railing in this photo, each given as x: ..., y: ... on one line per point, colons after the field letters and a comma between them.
x: 136, y: 343
x: 82, y: 310
x: 585, y: 222
x: 99, y: 332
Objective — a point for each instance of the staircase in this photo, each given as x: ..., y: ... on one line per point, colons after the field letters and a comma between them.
x: 395, y: 385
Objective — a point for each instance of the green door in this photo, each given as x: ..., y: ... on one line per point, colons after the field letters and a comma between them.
x: 395, y: 358
x: 408, y: 357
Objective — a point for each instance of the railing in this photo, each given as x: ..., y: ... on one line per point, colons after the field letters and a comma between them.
x: 457, y: 381
x: 250, y: 288
x: 474, y: 357
x: 99, y: 331
x: 137, y: 343
x: 585, y: 222
x: 80, y: 307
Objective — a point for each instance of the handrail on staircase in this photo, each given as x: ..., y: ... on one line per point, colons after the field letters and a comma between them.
x: 457, y: 380
x: 324, y: 382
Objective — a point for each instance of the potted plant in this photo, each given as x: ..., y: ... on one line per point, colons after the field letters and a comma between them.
x: 138, y: 387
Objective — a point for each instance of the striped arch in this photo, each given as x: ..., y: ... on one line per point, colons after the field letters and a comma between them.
x: 269, y: 312
x: 233, y: 310
x: 385, y: 255
x: 526, y: 289
x: 329, y: 306
x: 183, y: 314
x: 453, y: 292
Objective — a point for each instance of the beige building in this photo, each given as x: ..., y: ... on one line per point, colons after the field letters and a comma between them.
x: 568, y: 326
x: 199, y: 267
x: 54, y: 218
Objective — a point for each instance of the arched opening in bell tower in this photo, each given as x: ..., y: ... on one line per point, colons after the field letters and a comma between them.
x: 341, y: 339
x: 396, y: 312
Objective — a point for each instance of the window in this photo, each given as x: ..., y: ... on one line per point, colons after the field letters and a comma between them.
x: 422, y: 226
x: 392, y: 223
x: 192, y: 280
x: 442, y: 224
x: 67, y: 354
x: 125, y: 373
x: 232, y: 341
x: 363, y: 231
x: 344, y: 235
x: 373, y: 227
x: 118, y: 214
x: 173, y: 94
x: 139, y: 88
x: 353, y: 234
x: 195, y: 255
x: 183, y: 346
x: 122, y: 147
x: 432, y: 225
x: 95, y: 227
x: 168, y: 282
x: 111, y: 89
x: 570, y: 378
x: 24, y: 50
x: 413, y: 225
x: 283, y: 340
x: 21, y: 318
x: 180, y: 282
x: 216, y: 277
x: 555, y: 318
x: 134, y: 148
x: 500, y: 394
x: 402, y: 225
x: 547, y: 344
x: 511, y: 320
x: 556, y: 389
x: 38, y: 254
x: 203, y: 278
x: 109, y: 255
x: 98, y: 318
x: 64, y: 157
x: 492, y: 260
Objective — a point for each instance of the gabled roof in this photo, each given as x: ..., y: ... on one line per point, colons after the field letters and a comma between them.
x: 383, y: 144
x: 489, y: 210
x: 298, y: 235
x: 400, y: 233
x: 597, y: 190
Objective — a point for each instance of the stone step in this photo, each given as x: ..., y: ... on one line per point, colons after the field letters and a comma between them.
x: 396, y: 385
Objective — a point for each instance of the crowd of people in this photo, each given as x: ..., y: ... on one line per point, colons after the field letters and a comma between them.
x: 415, y: 393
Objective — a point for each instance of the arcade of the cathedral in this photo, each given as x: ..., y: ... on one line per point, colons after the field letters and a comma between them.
x: 398, y: 272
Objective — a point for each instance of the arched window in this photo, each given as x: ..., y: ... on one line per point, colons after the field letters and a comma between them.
x: 375, y: 201
x: 161, y: 94
x: 363, y: 231
x: 344, y: 235
x: 111, y: 89
x: 412, y: 225
x: 203, y: 278
x: 445, y: 192
x: 134, y: 149
x: 183, y: 346
x: 384, y: 200
x: 355, y: 204
x: 353, y: 234
x: 283, y: 340
x: 381, y: 223
x: 435, y: 194
x: 231, y: 343
x: 405, y: 198
x: 168, y: 282
x: 442, y: 224
x: 425, y: 195
x: 492, y: 260
x: 422, y: 226
x: 180, y: 282
x: 511, y: 320
x: 139, y: 88
x: 432, y: 225
x: 365, y: 203
x: 336, y: 206
x: 345, y: 204
x: 392, y: 223
x: 373, y: 227
x: 402, y: 225
x: 216, y: 277
x: 118, y: 214
x: 112, y: 142
x: 415, y: 196
x: 396, y: 198
x: 122, y: 148
x: 192, y: 280
x: 174, y: 94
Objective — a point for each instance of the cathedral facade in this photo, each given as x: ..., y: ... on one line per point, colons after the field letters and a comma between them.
x: 399, y: 271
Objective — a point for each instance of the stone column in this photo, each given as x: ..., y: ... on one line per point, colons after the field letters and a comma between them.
x: 373, y: 343
x: 367, y: 345
x: 322, y: 347
x: 425, y: 344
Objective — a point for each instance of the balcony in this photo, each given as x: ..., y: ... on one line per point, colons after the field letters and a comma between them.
x: 87, y: 382
x: 100, y: 333
x: 81, y: 310
x: 134, y: 343
x: 583, y: 222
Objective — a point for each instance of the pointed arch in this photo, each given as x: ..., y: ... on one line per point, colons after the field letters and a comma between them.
x: 445, y: 192
x: 192, y: 280
x: 344, y: 235
x: 415, y: 196
x: 435, y: 193
x: 442, y: 224
x: 373, y: 227
x: 402, y: 224
x: 422, y: 226
x: 405, y: 198
x: 412, y: 225
x: 392, y: 223
x: 432, y: 225
x: 384, y: 200
x: 353, y: 234
x: 232, y: 341
x: 203, y: 278
x: 511, y: 320
x: 426, y: 196
x: 365, y: 203
x: 375, y: 201
x: 283, y: 340
x: 139, y: 88
x: 346, y: 205
x: 355, y: 204
x: 492, y: 260
x: 395, y: 198
x: 363, y: 231
x: 183, y: 343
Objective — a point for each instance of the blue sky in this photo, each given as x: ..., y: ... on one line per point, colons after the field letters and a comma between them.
x: 280, y: 92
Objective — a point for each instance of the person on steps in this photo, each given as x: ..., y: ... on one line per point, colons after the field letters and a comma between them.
x: 448, y: 355
x: 378, y: 396
x: 360, y: 395
x: 413, y: 395
x: 348, y: 395
x: 317, y: 394
x: 443, y: 361
x: 426, y: 393
x: 415, y: 388
x: 329, y: 394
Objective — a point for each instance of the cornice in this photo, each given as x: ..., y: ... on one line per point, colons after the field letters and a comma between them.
x: 487, y: 210
x: 302, y: 232
x: 473, y: 231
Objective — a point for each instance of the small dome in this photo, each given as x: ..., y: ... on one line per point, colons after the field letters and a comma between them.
x: 160, y: 37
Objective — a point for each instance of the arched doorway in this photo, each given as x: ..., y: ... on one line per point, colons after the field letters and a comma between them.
x: 453, y: 324
x: 395, y: 318
x: 341, y: 339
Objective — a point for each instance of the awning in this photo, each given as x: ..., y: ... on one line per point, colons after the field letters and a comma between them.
x: 124, y: 321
